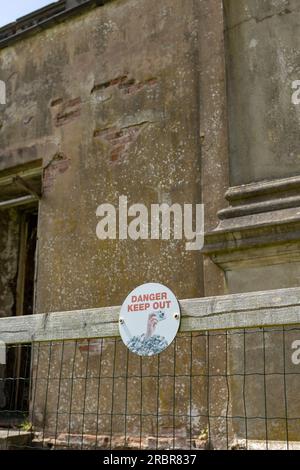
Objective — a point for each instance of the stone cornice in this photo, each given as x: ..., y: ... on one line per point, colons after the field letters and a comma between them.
x: 262, y: 188
x: 262, y: 197
x: 261, y: 225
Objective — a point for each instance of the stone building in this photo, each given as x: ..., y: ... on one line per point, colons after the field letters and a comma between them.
x: 172, y: 101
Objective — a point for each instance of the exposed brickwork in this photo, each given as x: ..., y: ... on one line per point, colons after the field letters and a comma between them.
x: 89, y: 441
x: 125, y: 84
x: 59, y: 164
x: 56, y: 102
x: 109, y: 83
x: 119, y: 140
x: 68, y: 110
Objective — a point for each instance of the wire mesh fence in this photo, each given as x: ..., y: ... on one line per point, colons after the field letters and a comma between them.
x: 234, y: 389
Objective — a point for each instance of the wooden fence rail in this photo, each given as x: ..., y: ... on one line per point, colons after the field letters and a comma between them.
x: 257, y: 309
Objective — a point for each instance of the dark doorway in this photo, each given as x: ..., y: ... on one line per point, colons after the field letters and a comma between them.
x: 18, y: 365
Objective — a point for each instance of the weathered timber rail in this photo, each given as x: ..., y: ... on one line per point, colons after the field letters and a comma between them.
x: 257, y: 309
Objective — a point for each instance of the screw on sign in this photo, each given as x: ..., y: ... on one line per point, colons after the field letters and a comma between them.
x: 149, y: 319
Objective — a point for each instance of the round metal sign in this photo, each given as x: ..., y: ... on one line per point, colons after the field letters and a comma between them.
x: 149, y: 319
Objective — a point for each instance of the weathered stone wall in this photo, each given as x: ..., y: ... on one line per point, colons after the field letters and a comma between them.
x: 263, y: 389
x: 263, y: 61
x: 128, y: 99
x: 262, y: 52
x: 119, y: 398
x: 110, y: 101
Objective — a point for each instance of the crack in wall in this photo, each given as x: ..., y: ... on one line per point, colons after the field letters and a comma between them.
x: 258, y: 20
x: 120, y: 139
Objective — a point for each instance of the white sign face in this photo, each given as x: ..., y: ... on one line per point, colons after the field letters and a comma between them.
x: 149, y: 319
